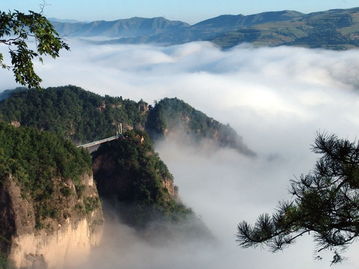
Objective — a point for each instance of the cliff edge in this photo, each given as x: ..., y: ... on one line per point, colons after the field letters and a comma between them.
x: 49, y: 206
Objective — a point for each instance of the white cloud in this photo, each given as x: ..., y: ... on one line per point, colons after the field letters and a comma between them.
x: 276, y: 98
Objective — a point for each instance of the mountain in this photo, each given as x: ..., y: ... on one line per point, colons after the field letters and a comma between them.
x: 133, y: 27
x: 54, y: 194
x: 83, y: 116
x: 332, y: 29
x: 173, y: 116
x: 229, y: 22
x: 53, y: 20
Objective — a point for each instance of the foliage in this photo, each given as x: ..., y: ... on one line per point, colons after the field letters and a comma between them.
x: 35, y: 159
x: 17, y: 30
x: 91, y: 203
x: 141, y: 174
x: 3, y: 261
x: 326, y: 202
x: 71, y: 112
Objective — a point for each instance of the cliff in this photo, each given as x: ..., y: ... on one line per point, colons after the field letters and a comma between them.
x: 60, y: 240
x: 49, y: 206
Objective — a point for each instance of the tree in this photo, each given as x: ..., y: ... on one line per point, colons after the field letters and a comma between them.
x: 325, y: 203
x: 17, y: 32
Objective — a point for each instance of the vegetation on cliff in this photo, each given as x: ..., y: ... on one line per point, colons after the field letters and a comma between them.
x: 130, y: 174
x: 43, y: 165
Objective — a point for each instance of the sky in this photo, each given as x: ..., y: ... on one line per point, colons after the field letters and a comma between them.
x: 190, y: 11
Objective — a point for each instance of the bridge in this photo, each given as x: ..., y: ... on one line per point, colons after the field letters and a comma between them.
x: 92, y: 146
x: 98, y: 142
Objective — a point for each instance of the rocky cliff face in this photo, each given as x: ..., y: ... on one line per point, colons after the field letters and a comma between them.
x: 69, y: 237
x: 50, y: 211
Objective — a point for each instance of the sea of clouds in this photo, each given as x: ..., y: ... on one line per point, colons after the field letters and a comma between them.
x: 277, y: 99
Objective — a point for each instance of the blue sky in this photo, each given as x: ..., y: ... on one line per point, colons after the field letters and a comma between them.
x: 187, y: 10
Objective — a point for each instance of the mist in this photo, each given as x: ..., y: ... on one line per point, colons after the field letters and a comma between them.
x: 277, y: 99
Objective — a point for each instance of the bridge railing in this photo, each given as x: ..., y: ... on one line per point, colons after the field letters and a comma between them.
x: 119, y: 131
x: 98, y: 142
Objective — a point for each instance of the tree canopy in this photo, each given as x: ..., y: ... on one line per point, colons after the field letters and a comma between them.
x: 71, y: 112
x: 325, y: 203
x: 27, y: 36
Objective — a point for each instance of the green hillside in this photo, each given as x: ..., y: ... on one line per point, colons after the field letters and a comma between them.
x: 172, y: 115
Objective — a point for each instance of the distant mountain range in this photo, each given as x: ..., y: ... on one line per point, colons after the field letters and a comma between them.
x: 126, y: 28
x: 334, y: 29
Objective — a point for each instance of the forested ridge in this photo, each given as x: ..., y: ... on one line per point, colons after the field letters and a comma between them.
x: 173, y: 114
x: 71, y: 112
